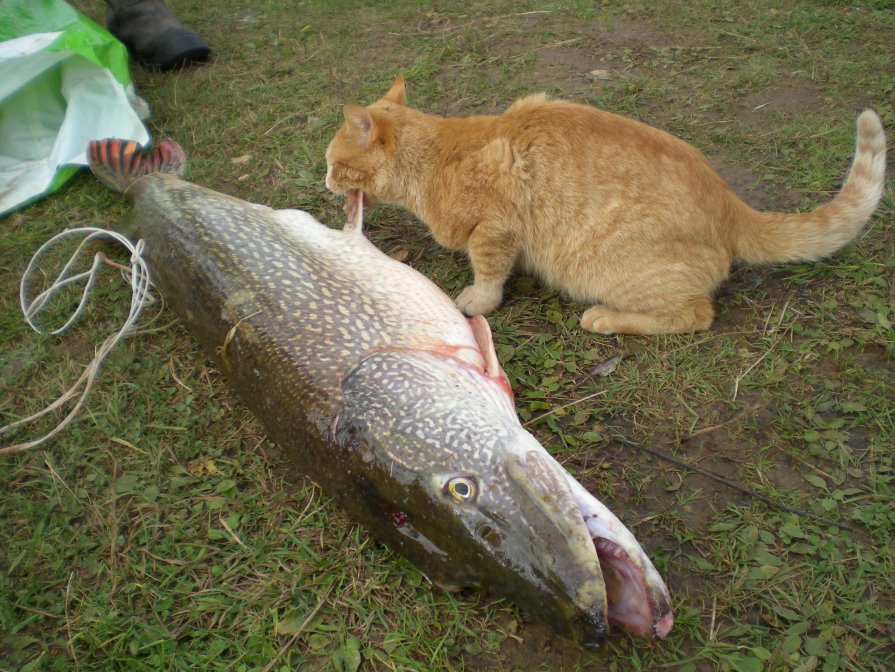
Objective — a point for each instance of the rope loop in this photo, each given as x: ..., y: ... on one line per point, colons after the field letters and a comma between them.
x: 137, y: 275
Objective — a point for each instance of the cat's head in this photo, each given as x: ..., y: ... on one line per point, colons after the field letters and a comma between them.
x: 362, y: 153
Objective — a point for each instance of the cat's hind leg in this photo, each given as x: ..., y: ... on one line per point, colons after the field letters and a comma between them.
x: 692, y: 313
x: 666, y: 289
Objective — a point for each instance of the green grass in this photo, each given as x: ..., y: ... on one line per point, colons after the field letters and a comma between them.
x: 162, y: 532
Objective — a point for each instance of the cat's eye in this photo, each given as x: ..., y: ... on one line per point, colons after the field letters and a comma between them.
x: 461, y: 489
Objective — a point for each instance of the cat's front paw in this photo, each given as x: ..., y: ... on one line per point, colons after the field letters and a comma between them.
x: 475, y: 300
x: 600, y: 320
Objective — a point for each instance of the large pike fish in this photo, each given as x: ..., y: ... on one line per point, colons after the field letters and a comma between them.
x: 387, y: 396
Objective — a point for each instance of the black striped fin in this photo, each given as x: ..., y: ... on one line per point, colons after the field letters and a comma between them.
x: 117, y: 163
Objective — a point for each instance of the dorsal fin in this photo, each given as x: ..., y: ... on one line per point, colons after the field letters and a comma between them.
x: 481, y: 330
x: 354, y: 211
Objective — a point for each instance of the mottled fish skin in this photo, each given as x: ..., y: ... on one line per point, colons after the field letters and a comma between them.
x: 379, y: 390
x: 304, y: 296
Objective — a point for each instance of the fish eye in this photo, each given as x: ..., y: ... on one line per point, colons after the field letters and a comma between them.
x: 461, y: 488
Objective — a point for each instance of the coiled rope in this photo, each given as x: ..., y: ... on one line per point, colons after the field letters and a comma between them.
x: 138, y: 277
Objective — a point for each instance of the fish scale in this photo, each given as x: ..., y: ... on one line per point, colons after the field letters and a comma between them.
x: 429, y: 431
x: 320, y: 275
x: 380, y: 390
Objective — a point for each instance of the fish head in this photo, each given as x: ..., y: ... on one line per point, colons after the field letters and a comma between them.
x: 468, y: 495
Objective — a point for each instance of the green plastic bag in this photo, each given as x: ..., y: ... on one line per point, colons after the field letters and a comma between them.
x: 63, y: 82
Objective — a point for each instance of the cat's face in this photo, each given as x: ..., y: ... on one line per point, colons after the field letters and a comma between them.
x: 361, y: 154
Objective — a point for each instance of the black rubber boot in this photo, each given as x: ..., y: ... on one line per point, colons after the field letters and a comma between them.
x: 153, y: 34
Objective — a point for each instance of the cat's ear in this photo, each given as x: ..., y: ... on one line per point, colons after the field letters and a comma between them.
x: 361, y: 122
x: 396, y: 93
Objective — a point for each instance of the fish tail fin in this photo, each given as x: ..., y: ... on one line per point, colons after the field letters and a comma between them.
x: 119, y: 163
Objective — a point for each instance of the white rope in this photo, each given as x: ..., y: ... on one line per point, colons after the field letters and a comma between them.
x: 138, y: 277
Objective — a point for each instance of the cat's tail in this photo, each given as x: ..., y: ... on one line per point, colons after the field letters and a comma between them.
x: 764, y: 237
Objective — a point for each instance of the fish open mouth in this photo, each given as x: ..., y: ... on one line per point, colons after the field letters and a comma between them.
x: 628, y: 598
x: 637, y: 598
x: 630, y: 593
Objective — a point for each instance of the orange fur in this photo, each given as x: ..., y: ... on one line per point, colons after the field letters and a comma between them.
x: 606, y: 209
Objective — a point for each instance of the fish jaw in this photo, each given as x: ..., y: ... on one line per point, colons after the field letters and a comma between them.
x: 576, y: 605
x: 422, y: 423
x: 637, y: 596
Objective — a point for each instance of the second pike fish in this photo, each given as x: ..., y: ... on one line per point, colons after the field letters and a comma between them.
x: 387, y: 396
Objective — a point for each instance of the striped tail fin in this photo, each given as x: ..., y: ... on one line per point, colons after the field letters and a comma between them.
x: 119, y: 163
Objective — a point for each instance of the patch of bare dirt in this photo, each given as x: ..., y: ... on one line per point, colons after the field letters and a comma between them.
x: 759, y: 194
x: 534, y: 642
x: 577, y: 64
x: 790, y: 97
x: 875, y: 358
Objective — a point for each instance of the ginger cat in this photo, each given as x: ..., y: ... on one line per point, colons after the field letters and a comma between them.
x: 606, y: 209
